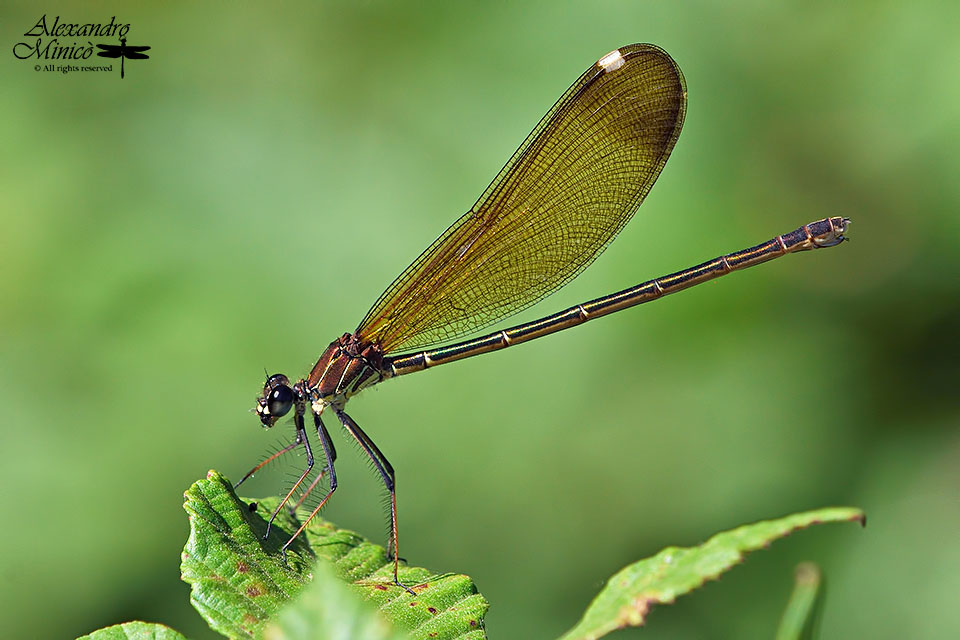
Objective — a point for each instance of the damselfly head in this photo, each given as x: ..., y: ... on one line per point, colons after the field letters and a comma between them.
x: 275, y: 401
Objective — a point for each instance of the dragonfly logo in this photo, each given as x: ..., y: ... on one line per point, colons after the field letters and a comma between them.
x: 122, y: 51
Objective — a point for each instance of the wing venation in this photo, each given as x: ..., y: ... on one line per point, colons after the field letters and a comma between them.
x: 561, y: 198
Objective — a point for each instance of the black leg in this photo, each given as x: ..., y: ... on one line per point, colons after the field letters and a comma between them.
x: 301, y: 436
x: 331, y: 455
x: 316, y: 481
x: 389, y: 480
x: 380, y: 462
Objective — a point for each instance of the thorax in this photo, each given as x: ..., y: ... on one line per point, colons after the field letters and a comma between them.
x: 346, y: 367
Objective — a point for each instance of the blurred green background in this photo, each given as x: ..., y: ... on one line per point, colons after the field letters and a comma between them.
x: 242, y: 198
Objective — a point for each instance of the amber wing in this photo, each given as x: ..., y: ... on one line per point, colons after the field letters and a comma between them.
x: 564, y: 195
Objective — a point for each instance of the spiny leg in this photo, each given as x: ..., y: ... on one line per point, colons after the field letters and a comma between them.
x: 385, y: 469
x: 331, y: 455
x: 268, y: 461
x: 389, y: 480
x: 293, y: 508
x: 316, y: 481
x: 380, y: 463
x: 302, y: 436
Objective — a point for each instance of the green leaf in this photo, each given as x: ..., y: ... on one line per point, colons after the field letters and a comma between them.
x: 134, y: 631
x: 797, y: 620
x: 327, y: 609
x: 630, y: 593
x: 239, y: 580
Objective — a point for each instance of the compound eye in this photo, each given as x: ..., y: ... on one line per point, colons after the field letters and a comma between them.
x: 279, y: 401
